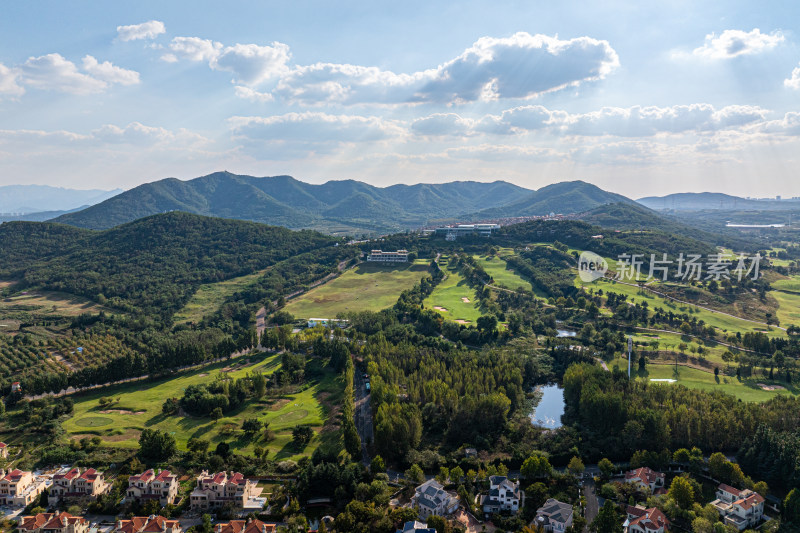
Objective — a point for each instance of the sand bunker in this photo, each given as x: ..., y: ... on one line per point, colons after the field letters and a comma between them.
x: 439, y: 308
x: 122, y: 412
x: 764, y: 386
x: 465, y: 299
x: 464, y: 322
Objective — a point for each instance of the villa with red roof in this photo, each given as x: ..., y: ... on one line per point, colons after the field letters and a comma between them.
x: 641, y: 520
x: 19, y: 488
x: 645, y: 478
x: 242, y: 526
x: 3, y: 450
x: 74, y: 484
x: 53, y: 523
x: 150, y: 485
x: 739, y: 508
x: 213, y: 490
x: 147, y: 524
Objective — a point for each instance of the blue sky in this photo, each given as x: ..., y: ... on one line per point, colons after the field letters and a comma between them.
x: 636, y: 97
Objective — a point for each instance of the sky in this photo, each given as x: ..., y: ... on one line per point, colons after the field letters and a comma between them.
x: 639, y: 98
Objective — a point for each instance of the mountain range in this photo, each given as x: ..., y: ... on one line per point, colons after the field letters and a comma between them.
x: 698, y: 201
x: 27, y: 199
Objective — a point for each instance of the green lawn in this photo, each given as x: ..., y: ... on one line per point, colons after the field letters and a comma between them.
x: 496, y: 267
x: 140, y: 404
x: 369, y: 286
x: 747, y: 390
x: 454, y: 299
x: 788, y: 307
x: 791, y: 284
x: 210, y: 296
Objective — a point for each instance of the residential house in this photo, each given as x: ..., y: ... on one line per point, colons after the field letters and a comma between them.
x: 554, y: 516
x: 213, y: 490
x: 646, y: 478
x: 246, y: 526
x: 504, y: 495
x: 642, y: 520
x: 73, y: 484
x: 53, y: 523
x: 148, y: 485
x: 432, y: 499
x: 3, y: 450
x: 19, y: 488
x: 739, y: 508
x: 416, y: 527
x: 147, y: 524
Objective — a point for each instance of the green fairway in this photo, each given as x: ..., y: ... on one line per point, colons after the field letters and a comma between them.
x: 791, y: 284
x: 368, y: 287
x: 210, y: 296
x: 788, y: 307
x: 496, y: 267
x: 139, y: 407
x: 454, y: 299
x: 747, y: 390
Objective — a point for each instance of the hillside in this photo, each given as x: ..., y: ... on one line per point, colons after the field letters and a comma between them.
x: 285, y: 201
x: 565, y: 198
x: 691, y: 201
x: 153, y: 264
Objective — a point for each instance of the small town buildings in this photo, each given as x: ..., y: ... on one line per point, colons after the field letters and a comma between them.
x: 19, y: 488
x: 214, y: 490
x: 554, y: 516
x: 150, y: 485
x: 57, y: 522
x: 645, y: 478
x: 739, y: 508
x: 416, y: 527
x: 74, y: 485
x: 451, y: 233
x: 379, y: 256
x: 147, y: 524
x: 246, y: 526
x: 504, y: 495
x: 328, y: 322
x: 641, y: 520
x: 431, y: 499
x: 16, y: 387
x: 3, y: 450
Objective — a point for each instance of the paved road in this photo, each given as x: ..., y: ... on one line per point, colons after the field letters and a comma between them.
x: 363, y: 415
x: 592, y: 506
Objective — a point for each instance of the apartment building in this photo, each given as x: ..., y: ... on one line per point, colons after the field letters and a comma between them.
x: 150, y: 485
x: 74, y: 485
x: 213, y: 490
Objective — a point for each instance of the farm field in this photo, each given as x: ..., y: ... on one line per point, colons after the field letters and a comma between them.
x: 368, y: 287
x: 48, y: 303
x: 496, y: 267
x: 747, y: 390
x: 210, y: 296
x: 454, y: 299
x: 139, y: 407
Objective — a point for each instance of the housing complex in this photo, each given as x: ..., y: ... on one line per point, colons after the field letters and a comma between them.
x: 147, y: 524
x: 74, y: 484
x: 245, y: 526
x: 149, y: 485
x: 214, y: 490
x: 58, y: 522
x: 19, y: 488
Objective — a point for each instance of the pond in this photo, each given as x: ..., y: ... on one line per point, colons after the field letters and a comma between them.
x: 565, y: 333
x: 547, y: 412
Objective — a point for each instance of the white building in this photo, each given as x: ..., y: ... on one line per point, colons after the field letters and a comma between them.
x: 151, y: 486
x: 645, y: 478
x: 554, y: 516
x: 504, y: 495
x: 3, y: 450
x: 416, y: 527
x: 739, y: 508
x: 328, y: 322
x: 432, y: 499
x: 464, y: 230
x: 378, y: 256
x: 214, y: 490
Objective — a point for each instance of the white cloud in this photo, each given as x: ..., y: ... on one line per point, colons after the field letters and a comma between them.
x: 8, y: 82
x: 251, y: 94
x: 54, y: 72
x: 109, y: 73
x: 314, y: 127
x: 440, y: 124
x: 145, y: 30
x: 192, y: 49
x: 521, y: 66
x: 734, y: 43
x: 794, y: 81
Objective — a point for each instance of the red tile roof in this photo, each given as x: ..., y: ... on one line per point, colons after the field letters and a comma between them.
x: 163, y: 475
x: 241, y: 526
x: 645, y: 474
x: 90, y: 475
x: 3, y: 445
x: 49, y: 521
x: 727, y: 488
x: 73, y: 473
x: 652, y: 519
x: 14, y: 475
x: 145, y: 524
x: 145, y: 476
x: 753, y: 499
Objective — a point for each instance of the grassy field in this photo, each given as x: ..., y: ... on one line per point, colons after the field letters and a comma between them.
x: 790, y: 284
x: 139, y: 407
x: 496, y: 267
x: 788, y: 307
x: 369, y: 286
x: 48, y: 303
x: 747, y: 390
x: 210, y: 296
x: 454, y: 299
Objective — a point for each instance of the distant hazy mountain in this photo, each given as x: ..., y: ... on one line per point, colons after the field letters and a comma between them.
x: 285, y: 201
x: 22, y: 199
x: 695, y: 201
x: 566, y: 197
x: 38, y: 216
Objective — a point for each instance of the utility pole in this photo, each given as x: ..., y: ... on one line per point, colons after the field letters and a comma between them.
x: 630, y: 349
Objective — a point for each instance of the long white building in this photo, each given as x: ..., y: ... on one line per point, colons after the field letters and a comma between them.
x: 379, y: 256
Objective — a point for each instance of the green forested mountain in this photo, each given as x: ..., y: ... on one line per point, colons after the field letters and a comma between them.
x: 153, y: 264
x: 285, y: 201
x: 565, y: 198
